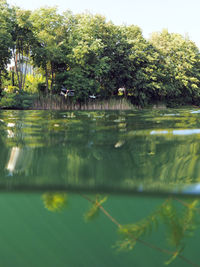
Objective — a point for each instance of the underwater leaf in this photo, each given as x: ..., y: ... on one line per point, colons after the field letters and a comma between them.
x: 180, y: 222
x: 125, y: 244
x: 174, y: 256
x: 132, y: 232
x: 91, y: 213
x: 94, y: 209
x: 193, y: 204
x: 174, y: 223
x: 189, y: 218
x: 103, y: 200
x: 54, y: 201
x: 130, y: 229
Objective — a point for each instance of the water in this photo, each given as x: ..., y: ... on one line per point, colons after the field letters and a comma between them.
x: 145, y: 162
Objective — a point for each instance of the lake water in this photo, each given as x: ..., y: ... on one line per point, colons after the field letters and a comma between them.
x: 140, y: 170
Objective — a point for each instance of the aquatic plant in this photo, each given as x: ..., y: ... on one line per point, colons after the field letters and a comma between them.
x: 178, y: 216
x: 94, y: 208
x: 180, y: 223
x: 54, y: 201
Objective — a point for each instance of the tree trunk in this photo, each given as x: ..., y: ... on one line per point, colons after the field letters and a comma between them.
x: 46, y: 76
x: 24, y: 78
x: 16, y: 67
x: 13, y: 77
x: 52, y: 78
x: 21, y: 69
x: 0, y: 82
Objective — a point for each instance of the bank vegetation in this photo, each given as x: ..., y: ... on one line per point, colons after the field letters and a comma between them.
x: 44, y: 51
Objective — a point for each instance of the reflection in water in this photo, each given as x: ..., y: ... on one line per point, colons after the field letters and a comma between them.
x: 11, y: 124
x: 19, y: 161
x: 119, y: 143
x: 132, y: 151
x: 159, y: 132
x: 192, y: 189
x: 14, y: 155
x: 195, y: 112
x: 10, y: 134
x: 177, y: 132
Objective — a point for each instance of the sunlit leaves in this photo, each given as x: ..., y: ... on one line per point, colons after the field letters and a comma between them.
x: 88, y: 54
x: 181, y: 60
x: 174, y: 256
x: 49, y: 50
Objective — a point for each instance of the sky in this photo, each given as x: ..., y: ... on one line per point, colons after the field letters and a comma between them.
x: 178, y: 16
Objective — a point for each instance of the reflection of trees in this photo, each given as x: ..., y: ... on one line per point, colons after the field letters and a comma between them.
x: 178, y: 218
x: 19, y: 161
x: 14, y: 155
x: 114, y: 150
x: 3, y: 154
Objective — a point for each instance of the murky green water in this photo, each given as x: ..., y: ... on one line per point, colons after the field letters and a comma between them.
x: 147, y: 164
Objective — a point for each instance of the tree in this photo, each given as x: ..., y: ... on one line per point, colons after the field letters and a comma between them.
x: 48, y: 51
x: 23, y: 39
x: 86, y: 60
x: 5, y: 38
x: 181, y: 59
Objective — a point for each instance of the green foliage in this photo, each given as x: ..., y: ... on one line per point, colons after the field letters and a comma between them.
x: 8, y: 101
x: 180, y: 223
x: 23, y: 39
x: 85, y: 53
x: 49, y: 51
x: 179, y: 217
x: 5, y: 38
x: 15, y: 99
x: 132, y: 232
x: 174, y: 256
x: 181, y: 60
x: 33, y: 83
x: 94, y: 209
x: 55, y: 201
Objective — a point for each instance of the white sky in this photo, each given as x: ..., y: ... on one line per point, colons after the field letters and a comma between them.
x: 179, y: 16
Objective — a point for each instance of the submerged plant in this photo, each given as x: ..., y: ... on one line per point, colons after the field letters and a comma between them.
x: 178, y: 217
x: 54, y: 201
x: 179, y: 221
x: 94, y: 208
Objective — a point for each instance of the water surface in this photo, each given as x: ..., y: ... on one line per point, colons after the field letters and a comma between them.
x: 112, y: 151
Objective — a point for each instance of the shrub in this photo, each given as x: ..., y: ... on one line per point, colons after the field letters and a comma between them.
x: 17, y: 100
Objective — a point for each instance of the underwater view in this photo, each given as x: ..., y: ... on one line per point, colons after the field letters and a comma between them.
x: 100, y: 188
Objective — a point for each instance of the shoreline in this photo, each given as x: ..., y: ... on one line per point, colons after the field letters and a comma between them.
x: 121, y: 104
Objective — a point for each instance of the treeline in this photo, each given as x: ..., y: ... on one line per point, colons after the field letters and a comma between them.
x: 92, y: 56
